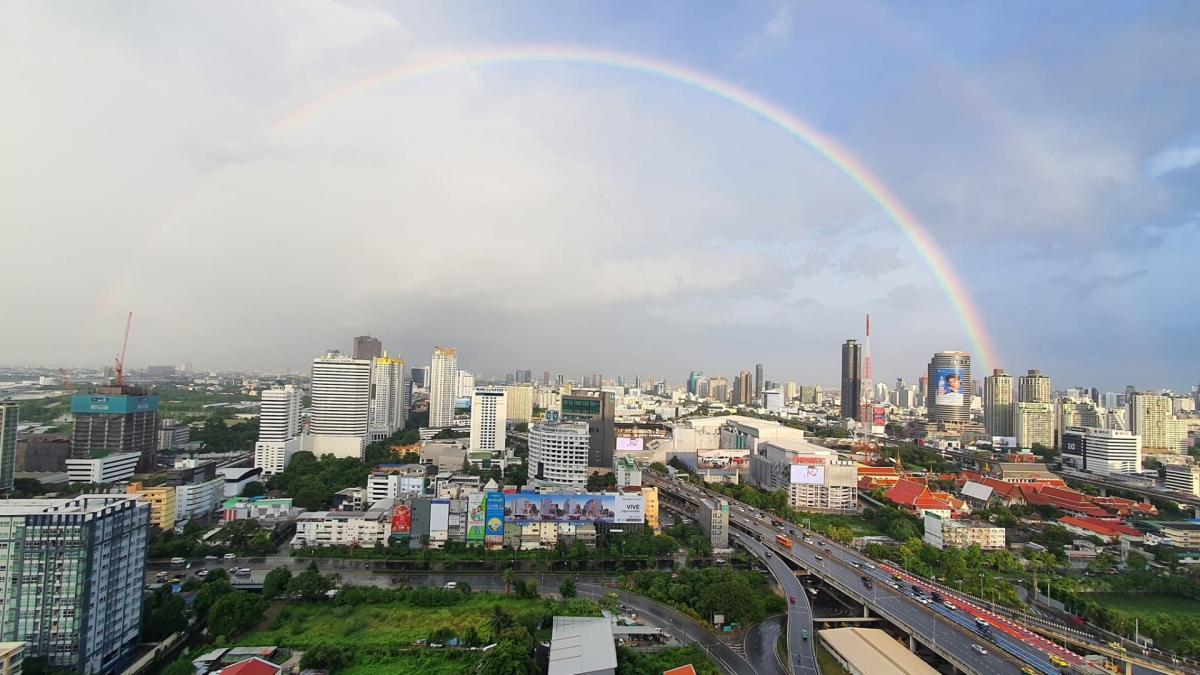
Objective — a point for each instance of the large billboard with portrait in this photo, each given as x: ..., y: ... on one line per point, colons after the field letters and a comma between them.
x: 808, y: 474
x: 950, y: 387
x: 401, y: 519
x: 525, y: 507
x: 476, y: 508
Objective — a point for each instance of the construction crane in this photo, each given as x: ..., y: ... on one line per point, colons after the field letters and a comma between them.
x: 119, y: 363
x: 66, y: 378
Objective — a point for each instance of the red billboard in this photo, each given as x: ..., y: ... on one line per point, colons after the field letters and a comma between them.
x: 880, y: 418
x: 401, y: 519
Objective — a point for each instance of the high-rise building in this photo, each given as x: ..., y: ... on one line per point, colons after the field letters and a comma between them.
x: 597, y: 381
x: 489, y: 415
x: 695, y: 378
x: 464, y: 385
x: 1033, y: 424
x: 545, y: 378
x: 598, y: 410
x: 1110, y: 399
x: 1149, y: 416
x: 278, y: 429
x: 367, y: 347
x: 520, y: 403
x: 558, y: 454
x: 389, y: 405
x: 718, y: 388
x: 341, y: 401
x: 72, y: 589
x: 115, y: 420
x: 1077, y: 412
x: 1183, y: 477
x: 759, y: 385
x: 1033, y: 388
x: 442, y: 373
x: 743, y: 389
x: 947, y: 398
x: 1104, y: 450
x: 851, y: 379
x: 998, y: 403
x: 420, y: 376
x: 791, y: 390
x: 8, y: 443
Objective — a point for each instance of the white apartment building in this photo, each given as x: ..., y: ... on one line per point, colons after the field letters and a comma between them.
x: 198, y: 500
x: 115, y: 468
x: 278, y: 429
x: 388, y: 399
x: 489, y: 414
x: 815, y: 477
x: 365, y: 529
x: 341, y: 396
x: 1034, y: 423
x: 520, y: 403
x: 546, y: 398
x: 72, y: 587
x: 1184, y: 477
x: 465, y: 386
x: 946, y: 533
x: 1033, y: 388
x: 1149, y: 416
x: 1104, y: 450
x: 173, y: 434
x: 558, y: 454
x: 443, y: 375
x: 389, y: 482
x: 629, y: 474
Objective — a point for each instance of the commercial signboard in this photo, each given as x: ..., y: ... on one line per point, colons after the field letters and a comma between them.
x: 879, y: 419
x: 439, y: 520
x: 950, y: 386
x: 117, y: 404
x: 808, y: 474
x: 401, y: 519
x: 476, y: 508
x: 493, y: 517
x: 572, y: 508
x: 626, y: 444
x: 1004, y: 442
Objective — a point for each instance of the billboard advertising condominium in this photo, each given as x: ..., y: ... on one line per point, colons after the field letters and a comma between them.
x: 949, y: 388
x: 493, y: 515
x: 808, y: 474
x: 571, y: 508
x: 626, y: 444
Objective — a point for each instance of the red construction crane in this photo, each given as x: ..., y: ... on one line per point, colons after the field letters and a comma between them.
x: 119, y: 364
x: 66, y: 378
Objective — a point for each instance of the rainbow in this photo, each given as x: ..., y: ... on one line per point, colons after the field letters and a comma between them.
x: 839, y: 156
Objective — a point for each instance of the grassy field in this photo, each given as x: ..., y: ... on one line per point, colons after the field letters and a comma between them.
x: 430, y: 663
x: 1146, y: 605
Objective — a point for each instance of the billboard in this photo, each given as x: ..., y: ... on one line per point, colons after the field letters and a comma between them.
x: 526, y: 507
x: 950, y: 387
x: 1004, y: 442
x: 476, y: 507
x: 439, y: 519
x: 625, y: 444
x: 879, y: 418
x: 493, y: 516
x: 401, y: 519
x: 808, y: 474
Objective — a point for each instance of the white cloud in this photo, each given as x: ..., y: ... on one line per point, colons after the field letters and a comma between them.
x: 776, y: 31
x: 1175, y: 158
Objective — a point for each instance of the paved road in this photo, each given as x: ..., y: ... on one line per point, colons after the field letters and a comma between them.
x: 679, y: 626
x: 803, y: 659
x: 759, y: 646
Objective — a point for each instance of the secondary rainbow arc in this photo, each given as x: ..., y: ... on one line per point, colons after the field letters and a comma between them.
x: 849, y: 165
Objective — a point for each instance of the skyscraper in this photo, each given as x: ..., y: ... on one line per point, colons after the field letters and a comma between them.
x: 947, y: 398
x: 1034, y: 424
x: 115, y: 420
x: 341, y: 398
x: 489, y: 416
x: 545, y: 378
x: 759, y: 384
x: 1033, y: 388
x: 278, y: 429
x: 599, y: 411
x: 8, y: 443
x: 1149, y: 416
x: 718, y: 388
x: 464, y: 386
x: 389, y: 406
x: 743, y: 388
x: 367, y: 347
x: 851, y: 379
x: 442, y: 373
x: 998, y: 403
x: 693, y: 382
x: 73, y: 586
x: 420, y: 376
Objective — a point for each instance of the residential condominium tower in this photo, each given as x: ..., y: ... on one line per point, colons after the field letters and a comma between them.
x: 1033, y: 388
x: 443, y: 375
x: 341, y: 394
x: 8, y: 444
x: 389, y: 405
x: 488, y: 419
x: 851, y: 379
x: 72, y: 586
x: 367, y: 347
x: 948, y: 393
x: 278, y: 429
x: 998, y: 403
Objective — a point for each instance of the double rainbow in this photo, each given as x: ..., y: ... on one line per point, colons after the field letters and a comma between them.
x: 846, y: 162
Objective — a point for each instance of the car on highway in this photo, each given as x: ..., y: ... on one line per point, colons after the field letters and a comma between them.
x: 870, y: 566
x: 1058, y: 661
x: 211, y: 557
x: 937, y: 597
x: 980, y: 649
x: 792, y: 598
x: 177, y: 561
x: 817, y: 557
x: 982, y: 624
x: 950, y: 605
x: 160, y: 577
x: 1116, y: 647
x: 450, y: 585
x: 804, y: 634
x: 866, y: 581
x: 856, y: 564
x: 894, y: 585
x: 241, y: 571
x: 1026, y: 670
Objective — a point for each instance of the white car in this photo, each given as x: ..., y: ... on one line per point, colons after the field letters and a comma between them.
x: 211, y: 557
x: 202, y: 573
x: 230, y: 556
x: 177, y: 561
x: 950, y: 606
x: 870, y: 566
x: 979, y: 649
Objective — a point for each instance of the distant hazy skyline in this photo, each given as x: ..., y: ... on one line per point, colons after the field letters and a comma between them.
x: 587, y: 219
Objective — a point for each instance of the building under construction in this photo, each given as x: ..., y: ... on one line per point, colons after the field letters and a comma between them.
x: 115, y: 419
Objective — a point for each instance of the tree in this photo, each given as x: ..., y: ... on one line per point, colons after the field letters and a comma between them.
x: 498, y: 621
x: 210, y: 592
x: 324, y: 656
x: 509, y: 575
x: 235, y: 613
x: 512, y: 655
x: 163, y: 614
x: 309, y: 585
x: 527, y: 589
x: 254, y: 489
x: 276, y: 582
x: 471, y: 637
x: 567, y: 588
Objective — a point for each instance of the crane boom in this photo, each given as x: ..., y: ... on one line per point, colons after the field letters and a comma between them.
x: 119, y: 366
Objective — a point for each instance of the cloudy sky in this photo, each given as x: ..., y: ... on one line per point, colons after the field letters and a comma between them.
x: 582, y: 218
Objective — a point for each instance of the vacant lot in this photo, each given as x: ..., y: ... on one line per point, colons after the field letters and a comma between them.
x: 1144, y: 606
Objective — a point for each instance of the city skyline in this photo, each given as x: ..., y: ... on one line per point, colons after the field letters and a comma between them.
x: 684, y: 212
